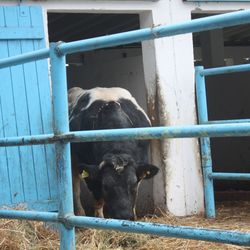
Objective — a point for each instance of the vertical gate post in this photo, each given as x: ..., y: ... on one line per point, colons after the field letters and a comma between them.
x: 206, y: 159
x: 61, y: 125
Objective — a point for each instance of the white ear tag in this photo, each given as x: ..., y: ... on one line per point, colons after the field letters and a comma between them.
x: 84, y: 174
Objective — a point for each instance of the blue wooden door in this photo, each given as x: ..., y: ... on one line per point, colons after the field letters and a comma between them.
x: 28, y: 173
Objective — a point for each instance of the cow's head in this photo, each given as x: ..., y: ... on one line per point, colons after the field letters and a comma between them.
x: 118, y: 177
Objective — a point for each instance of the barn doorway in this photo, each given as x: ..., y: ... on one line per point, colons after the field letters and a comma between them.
x: 228, y: 98
x: 120, y: 66
x: 117, y: 66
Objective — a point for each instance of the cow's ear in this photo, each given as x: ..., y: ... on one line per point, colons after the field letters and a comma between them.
x: 146, y: 171
x: 88, y: 171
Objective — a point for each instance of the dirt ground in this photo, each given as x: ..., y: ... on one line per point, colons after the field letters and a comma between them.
x: 34, y: 235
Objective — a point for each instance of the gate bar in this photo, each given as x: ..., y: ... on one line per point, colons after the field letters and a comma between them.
x: 225, y: 70
x: 197, y: 25
x: 204, y: 130
x: 206, y: 160
x: 228, y: 121
x: 63, y: 161
x: 30, y: 215
x: 24, y: 58
x: 229, y: 176
x: 215, y: 235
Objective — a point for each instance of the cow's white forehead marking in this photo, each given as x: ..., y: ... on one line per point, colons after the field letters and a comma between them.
x: 109, y: 94
x: 104, y: 94
x: 112, y: 94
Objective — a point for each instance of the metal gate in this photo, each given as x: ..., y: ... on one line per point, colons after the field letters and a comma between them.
x: 208, y: 174
x: 61, y: 136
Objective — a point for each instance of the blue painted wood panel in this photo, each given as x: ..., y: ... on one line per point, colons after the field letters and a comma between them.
x: 20, y: 33
x: 28, y: 173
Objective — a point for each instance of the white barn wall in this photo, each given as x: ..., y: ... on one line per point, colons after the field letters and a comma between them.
x: 168, y: 66
x: 151, y: 82
x: 174, y: 60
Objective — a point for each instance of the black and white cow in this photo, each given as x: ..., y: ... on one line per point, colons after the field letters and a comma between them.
x: 113, y: 170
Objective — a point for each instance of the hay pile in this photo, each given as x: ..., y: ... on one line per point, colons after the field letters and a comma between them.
x: 33, y: 235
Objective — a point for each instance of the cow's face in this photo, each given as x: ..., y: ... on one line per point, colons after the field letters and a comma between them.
x: 120, y: 176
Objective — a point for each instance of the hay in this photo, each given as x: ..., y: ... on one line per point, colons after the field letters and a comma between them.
x: 16, y: 234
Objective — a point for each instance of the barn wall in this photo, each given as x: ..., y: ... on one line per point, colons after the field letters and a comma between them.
x: 168, y: 71
x: 176, y: 103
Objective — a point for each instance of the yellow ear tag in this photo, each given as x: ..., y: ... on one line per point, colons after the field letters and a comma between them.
x: 84, y: 174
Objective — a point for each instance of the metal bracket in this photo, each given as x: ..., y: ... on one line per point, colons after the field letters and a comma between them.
x: 65, y: 220
x: 57, y: 49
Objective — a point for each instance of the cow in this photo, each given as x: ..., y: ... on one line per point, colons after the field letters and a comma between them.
x: 112, y: 170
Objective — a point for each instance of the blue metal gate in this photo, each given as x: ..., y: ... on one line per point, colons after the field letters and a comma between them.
x: 61, y: 136
x: 208, y: 174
